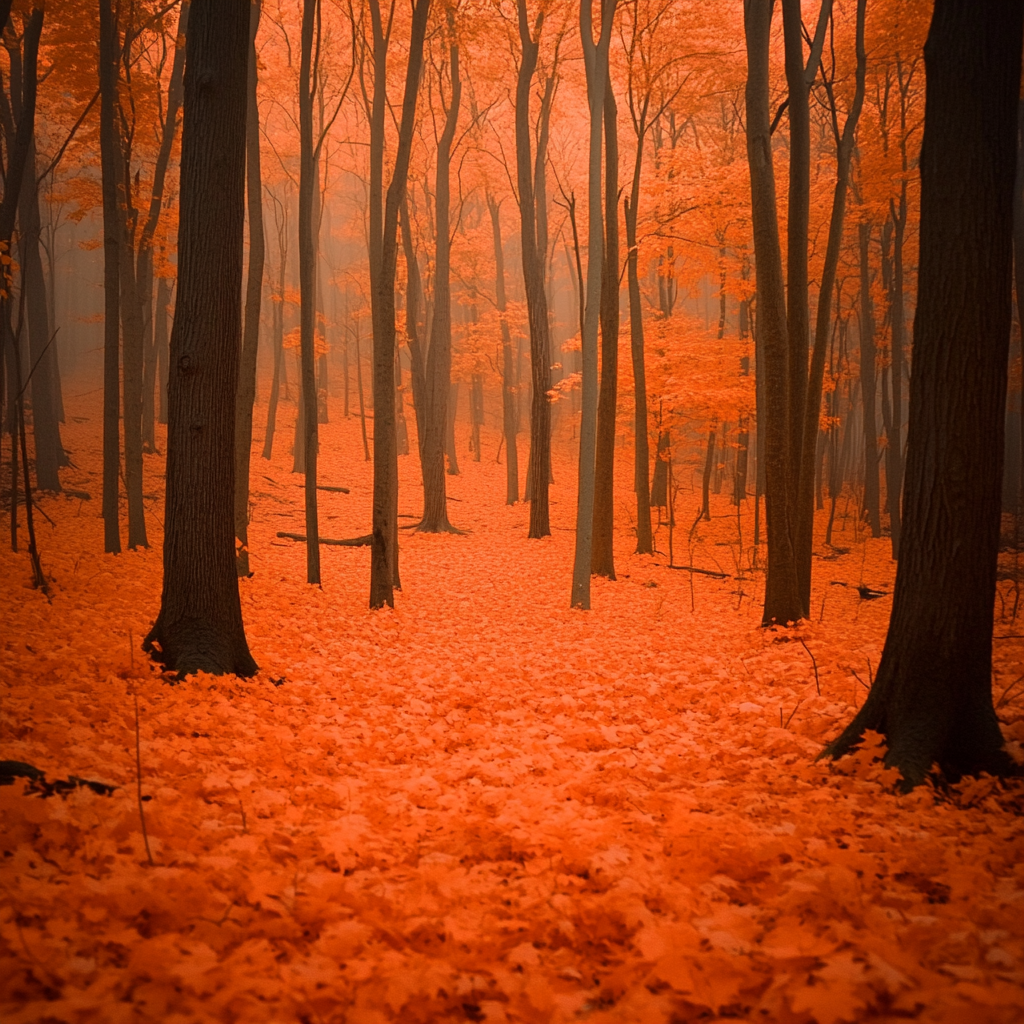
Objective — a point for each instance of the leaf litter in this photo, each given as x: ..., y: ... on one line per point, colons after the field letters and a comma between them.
x: 481, y: 805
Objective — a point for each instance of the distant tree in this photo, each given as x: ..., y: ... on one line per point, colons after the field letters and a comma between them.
x: 200, y: 622
x: 932, y: 697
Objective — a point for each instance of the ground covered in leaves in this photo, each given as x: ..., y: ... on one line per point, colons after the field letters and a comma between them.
x: 481, y: 805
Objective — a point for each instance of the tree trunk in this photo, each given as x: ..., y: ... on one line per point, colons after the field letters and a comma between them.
x: 602, y: 558
x: 709, y: 464
x: 476, y: 411
x: 932, y: 696
x: 253, y: 296
x: 508, y: 394
x: 533, y: 279
x: 383, y: 253
x: 894, y: 442
x: 308, y: 184
x: 782, y: 596
x: 45, y: 419
x: 200, y: 622
x: 868, y: 386
x: 278, y: 330
x: 161, y: 342
x: 439, y: 357
x: 110, y: 48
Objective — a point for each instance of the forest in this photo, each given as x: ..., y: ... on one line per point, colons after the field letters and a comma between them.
x: 512, y: 511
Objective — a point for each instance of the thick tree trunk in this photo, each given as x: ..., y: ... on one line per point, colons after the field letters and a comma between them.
x: 932, y: 696
x: 602, y: 558
x: 110, y: 48
x: 161, y: 342
x: 253, y: 295
x: 200, y: 622
x: 508, y: 383
x: 894, y: 440
x: 868, y: 386
x: 782, y: 596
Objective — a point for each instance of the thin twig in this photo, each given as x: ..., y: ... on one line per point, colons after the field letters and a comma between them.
x: 817, y: 681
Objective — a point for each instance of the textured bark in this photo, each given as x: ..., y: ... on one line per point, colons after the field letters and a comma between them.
x: 539, y: 467
x: 278, y: 333
x: 709, y: 465
x: 894, y: 439
x: 439, y: 357
x: 309, y: 184
x: 782, y: 598
x: 109, y: 157
x: 253, y: 297
x: 508, y: 395
x: 161, y: 342
x: 413, y: 298
x: 45, y: 413
x: 383, y: 253
x: 932, y: 696
x: 595, y: 59
x: 602, y: 557
x: 868, y: 386
x: 200, y: 622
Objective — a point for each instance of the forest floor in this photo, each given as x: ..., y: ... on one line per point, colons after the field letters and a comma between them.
x: 481, y: 805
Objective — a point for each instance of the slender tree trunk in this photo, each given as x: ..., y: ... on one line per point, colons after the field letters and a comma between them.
x: 508, y: 395
x: 413, y: 298
x: 709, y: 465
x: 476, y: 409
x: 246, y: 398
x: 782, y: 595
x: 308, y: 184
x: 109, y: 156
x: 450, y: 451
x: 533, y: 279
x: 894, y: 441
x: 200, y: 622
x: 383, y: 264
x: 602, y: 559
x: 932, y: 696
x: 595, y: 56
x: 45, y: 420
x: 868, y: 386
x: 439, y: 357
x: 161, y: 342
x: 362, y: 404
x: 278, y: 328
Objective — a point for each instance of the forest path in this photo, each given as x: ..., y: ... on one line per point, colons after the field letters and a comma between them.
x: 480, y: 805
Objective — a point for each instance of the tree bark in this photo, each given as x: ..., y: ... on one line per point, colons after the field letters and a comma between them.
x: 508, y: 395
x: 782, y: 596
x: 533, y: 279
x: 439, y: 357
x: 602, y: 558
x: 868, y: 385
x: 595, y: 58
x: 278, y: 332
x: 932, y: 696
x: 253, y: 296
x: 109, y: 157
x: 200, y: 622
x: 383, y: 252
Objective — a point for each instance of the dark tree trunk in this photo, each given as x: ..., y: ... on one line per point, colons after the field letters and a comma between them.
x: 253, y: 295
x: 739, y: 491
x: 894, y: 442
x: 602, y: 556
x: 144, y: 263
x: 200, y: 622
x: 278, y: 334
x: 709, y: 464
x: 383, y: 253
x: 308, y: 185
x: 451, y: 454
x: 161, y: 342
x: 439, y: 358
x: 45, y: 414
x: 533, y: 279
x: 476, y: 412
x: 782, y: 596
x: 109, y: 157
x: 868, y: 387
x: 932, y: 696
x: 508, y: 382
x: 413, y: 298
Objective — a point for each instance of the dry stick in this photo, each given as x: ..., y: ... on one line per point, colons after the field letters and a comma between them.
x: 351, y: 542
x: 817, y: 682
x: 791, y: 714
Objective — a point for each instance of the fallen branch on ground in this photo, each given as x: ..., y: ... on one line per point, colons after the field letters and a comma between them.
x: 349, y: 542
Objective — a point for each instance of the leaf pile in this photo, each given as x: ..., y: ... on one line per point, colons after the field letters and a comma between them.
x: 482, y: 806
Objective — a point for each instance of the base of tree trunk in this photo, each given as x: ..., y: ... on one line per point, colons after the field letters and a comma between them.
x: 188, y: 646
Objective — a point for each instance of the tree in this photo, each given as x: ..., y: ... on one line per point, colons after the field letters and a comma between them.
x: 253, y: 296
x: 932, y: 696
x: 199, y: 626
x: 595, y: 57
